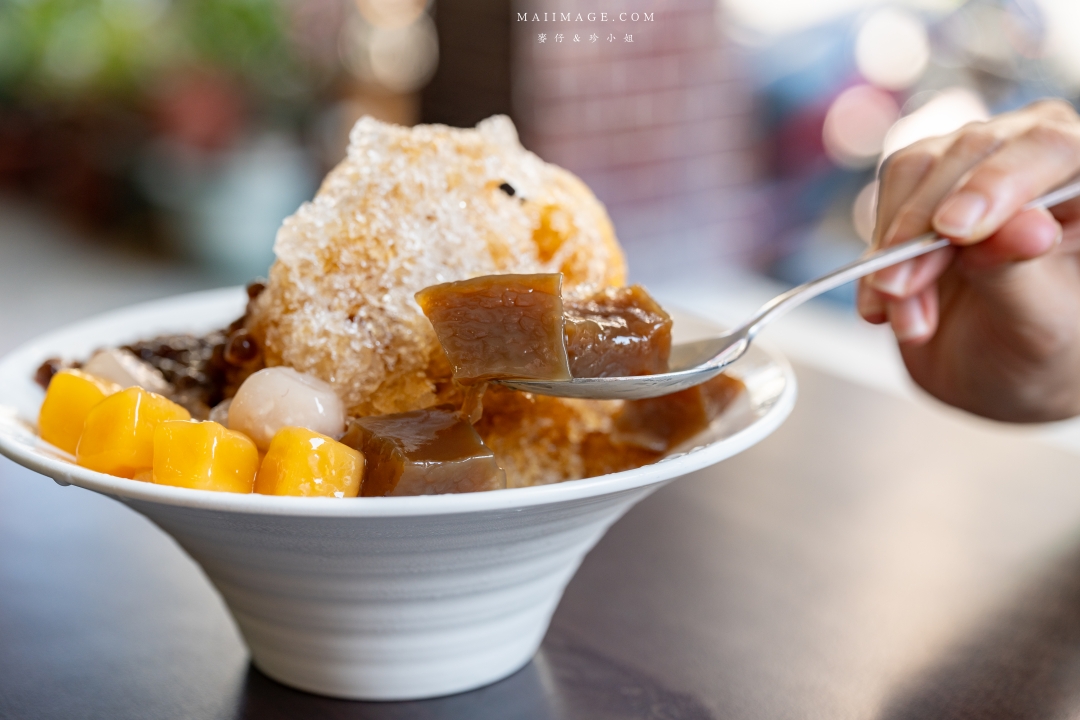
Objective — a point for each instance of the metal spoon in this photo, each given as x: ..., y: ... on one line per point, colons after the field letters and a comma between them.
x: 696, y: 362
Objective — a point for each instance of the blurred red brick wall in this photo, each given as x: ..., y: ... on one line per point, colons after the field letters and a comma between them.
x: 659, y: 127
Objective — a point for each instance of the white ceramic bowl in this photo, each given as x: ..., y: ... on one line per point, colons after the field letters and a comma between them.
x: 380, y: 598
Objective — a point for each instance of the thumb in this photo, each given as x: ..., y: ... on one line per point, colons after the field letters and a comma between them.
x: 1027, y: 235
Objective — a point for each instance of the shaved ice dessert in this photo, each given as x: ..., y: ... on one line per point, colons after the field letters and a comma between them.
x: 334, y: 383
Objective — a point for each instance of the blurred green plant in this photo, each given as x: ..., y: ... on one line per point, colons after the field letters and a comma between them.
x: 95, y: 92
x: 70, y: 49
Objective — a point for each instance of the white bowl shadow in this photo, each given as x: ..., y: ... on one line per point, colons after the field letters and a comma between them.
x: 381, y: 598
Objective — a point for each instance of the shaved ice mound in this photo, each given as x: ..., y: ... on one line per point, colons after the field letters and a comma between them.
x: 409, y: 208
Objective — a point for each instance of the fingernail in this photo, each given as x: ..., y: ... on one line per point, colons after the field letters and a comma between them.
x: 892, y: 280
x: 908, y: 319
x: 890, y: 234
x: 960, y: 214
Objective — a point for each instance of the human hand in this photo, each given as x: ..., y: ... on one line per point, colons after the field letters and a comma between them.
x: 992, y: 324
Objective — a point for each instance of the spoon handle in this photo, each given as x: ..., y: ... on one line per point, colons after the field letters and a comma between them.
x: 875, y: 261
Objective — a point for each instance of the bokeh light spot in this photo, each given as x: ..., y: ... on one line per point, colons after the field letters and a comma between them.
x: 945, y: 112
x: 856, y: 125
x: 76, y: 50
x: 404, y: 59
x: 863, y: 212
x: 892, y: 49
x: 391, y: 13
x: 1063, y: 43
x: 778, y: 17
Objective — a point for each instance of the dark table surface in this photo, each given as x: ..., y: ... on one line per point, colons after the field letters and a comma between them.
x: 875, y: 558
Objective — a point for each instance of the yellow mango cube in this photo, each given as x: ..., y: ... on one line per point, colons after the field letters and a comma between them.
x: 303, y: 462
x: 69, y: 399
x: 118, y: 435
x: 204, y: 456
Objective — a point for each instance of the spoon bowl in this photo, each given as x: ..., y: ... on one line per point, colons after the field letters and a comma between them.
x: 692, y: 364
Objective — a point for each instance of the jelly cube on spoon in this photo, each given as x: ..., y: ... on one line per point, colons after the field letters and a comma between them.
x: 617, y: 332
x: 520, y: 327
x: 499, y: 326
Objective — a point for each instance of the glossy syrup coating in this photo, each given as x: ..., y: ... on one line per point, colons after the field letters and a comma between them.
x: 500, y: 326
x: 661, y: 424
x: 539, y: 439
x: 423, y: 452
x: 617, y: 332
x: 308, y: 464
x: 204, y: 456
x: 118, y: 435
x: 488, y: 323
x: 70, y: 397
x: 519, y: 326
x: 409, y: 208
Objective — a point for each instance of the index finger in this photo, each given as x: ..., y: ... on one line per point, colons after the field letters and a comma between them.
x: 1027, y: 166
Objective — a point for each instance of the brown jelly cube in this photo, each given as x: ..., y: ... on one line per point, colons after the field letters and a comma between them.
x: 500, y: 326
x: 423, y: 452
x: 660, y: 424
x: 618, y: 332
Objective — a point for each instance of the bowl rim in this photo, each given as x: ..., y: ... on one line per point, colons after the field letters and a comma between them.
x: 67, y: 473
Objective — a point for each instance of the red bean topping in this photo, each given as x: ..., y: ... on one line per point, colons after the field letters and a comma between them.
x: 48, y: 369
x: 241, y: 348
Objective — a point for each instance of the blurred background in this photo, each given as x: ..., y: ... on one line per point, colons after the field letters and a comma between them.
x: 744, y: 132
x: 727, y: 135
x: 731, y: 134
